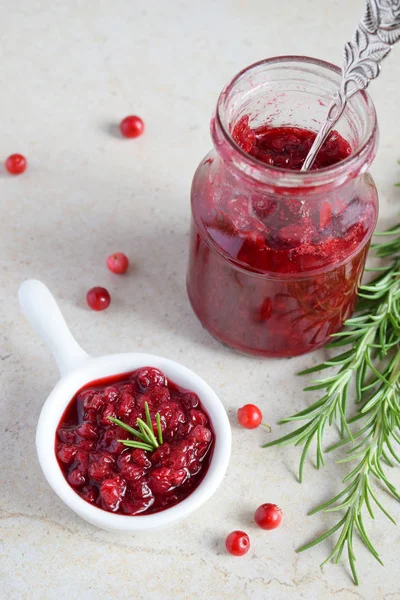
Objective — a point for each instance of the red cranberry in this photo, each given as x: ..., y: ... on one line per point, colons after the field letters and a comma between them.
x: 268, y: 516
x: 87, y: 445
x: 82, y: 461
x: 112, y: 492
x: 76, y: 478
x: 163, y: 479
x: 98, y: 298
x: 189, y: 400
x: 15, y: 164
x: 93, y: 401
x: 132, y: 472
x: 100, y: 466
x: 158, y: 456
x: 87, y: 431
x: 150, y: 376
x: 126, y: 405
x: 140, y: 489
x: 135, y: 507
x: 111, y: 393
x: 118, y: 263
x: 237, y: 543
x: 109, y: 411
x: 89, y: 493
x: 66, y: 453
x: 201, y: 434
x: 67, y: 435
x: 140, y: 458
x: 249, y: 416
x: 132, y: 126
x: 198, y: 418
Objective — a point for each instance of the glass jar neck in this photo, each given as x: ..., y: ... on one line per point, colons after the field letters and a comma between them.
x: 293, y: 91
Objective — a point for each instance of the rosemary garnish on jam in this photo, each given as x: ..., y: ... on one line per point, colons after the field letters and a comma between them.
x: 145, y: 434
x: 371, y: 362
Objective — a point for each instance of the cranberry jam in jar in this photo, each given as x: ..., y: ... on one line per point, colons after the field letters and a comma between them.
x: 276, y: 254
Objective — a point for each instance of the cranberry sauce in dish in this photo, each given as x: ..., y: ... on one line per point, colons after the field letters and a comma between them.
x: 130, y: 480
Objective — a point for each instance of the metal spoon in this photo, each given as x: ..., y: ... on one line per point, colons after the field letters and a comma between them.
x: 378, y: 30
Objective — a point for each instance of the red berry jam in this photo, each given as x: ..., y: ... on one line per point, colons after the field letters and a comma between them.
x: 275, y: 271
x: 119, y: 479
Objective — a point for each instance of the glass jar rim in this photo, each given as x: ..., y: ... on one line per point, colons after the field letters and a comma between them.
x: 356, y: 163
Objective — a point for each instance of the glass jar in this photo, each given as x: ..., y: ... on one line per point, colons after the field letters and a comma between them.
x: 276, y: 256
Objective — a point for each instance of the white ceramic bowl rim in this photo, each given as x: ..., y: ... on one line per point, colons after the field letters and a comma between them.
x: 97, y: 368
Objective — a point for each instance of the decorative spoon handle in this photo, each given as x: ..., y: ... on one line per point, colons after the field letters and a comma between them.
x: 371, y: 42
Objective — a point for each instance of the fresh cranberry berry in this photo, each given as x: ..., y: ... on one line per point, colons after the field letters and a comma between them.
x: 98, y: 298
x: 159, y: 455
x: 112, y: 492
x: 132, y: 126
x: 249, y: 416
x: 237, y: 543
x: 109, y: 411
x: 268, y: 516
x: 15, y: 164
x: 118, y: 263
x: 126, y: 406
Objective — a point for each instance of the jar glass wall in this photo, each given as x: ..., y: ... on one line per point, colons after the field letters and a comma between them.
x: 276, y: 255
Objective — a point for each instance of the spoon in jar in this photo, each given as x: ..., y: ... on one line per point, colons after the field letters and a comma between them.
x: 372, y: 40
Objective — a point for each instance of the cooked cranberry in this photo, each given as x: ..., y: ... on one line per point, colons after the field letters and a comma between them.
x: 112, y: 492
x: 76, y: 478
x: 140, y: 458
x: 111, y: 393
x: 201, y: 434
x: 158, y: 456
x: 126, y: 406
x: 163, y: 479
x: 91, y: 457
x: 93, y: 401
x: 87, y: 431
x: 132, y: 472
x: 150, y: 376
x: 67, y: 435
x: 189, y: 400
x: 109, y: 411
x: 82, y: 461
x: 89, y: 493
x: 87, y: 445
x: 66, y: 453
x: 100, y: 466
x: 198, y: 417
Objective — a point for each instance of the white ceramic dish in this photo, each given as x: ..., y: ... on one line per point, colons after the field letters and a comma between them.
x: 77, y: 369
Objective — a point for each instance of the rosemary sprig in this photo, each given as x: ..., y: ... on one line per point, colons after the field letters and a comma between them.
x: 144, y: 433
x: 372, y: 362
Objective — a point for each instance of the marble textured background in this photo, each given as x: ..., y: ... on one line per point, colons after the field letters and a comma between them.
x: 69, y: 72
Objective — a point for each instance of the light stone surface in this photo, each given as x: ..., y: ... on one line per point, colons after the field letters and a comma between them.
x: 70, y: 71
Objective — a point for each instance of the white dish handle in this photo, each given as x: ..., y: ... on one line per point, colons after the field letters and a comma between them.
x: 40, y: 308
